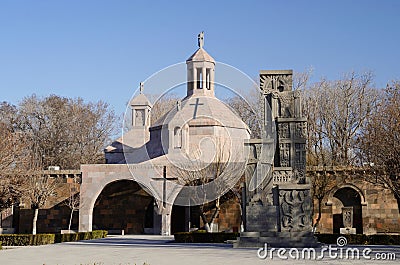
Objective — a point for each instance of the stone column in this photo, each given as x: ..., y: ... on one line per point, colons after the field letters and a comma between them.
x: 164, y: 218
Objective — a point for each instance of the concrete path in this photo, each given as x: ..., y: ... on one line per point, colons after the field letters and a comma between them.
x: 156, y: 250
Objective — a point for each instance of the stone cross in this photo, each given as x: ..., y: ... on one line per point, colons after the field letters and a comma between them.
x: 141, y: 87
x: 164, y: 179
x: 196, y: 105
x: 200, y: 39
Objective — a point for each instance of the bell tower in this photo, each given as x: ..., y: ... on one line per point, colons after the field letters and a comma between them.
x: 200, y: 71
x: 140, y: 118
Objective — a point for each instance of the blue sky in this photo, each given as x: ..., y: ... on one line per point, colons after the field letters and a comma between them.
x: 103, y: 49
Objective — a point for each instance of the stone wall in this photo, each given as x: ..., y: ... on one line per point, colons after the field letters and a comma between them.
x: 229, y: 218
x: 380, y: 213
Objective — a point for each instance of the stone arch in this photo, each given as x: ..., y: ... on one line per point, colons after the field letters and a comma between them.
x: 341, y: 199
x: 94, y: 179
x: 229, y: 218
x: 122, y: 205
x: 346, y: 185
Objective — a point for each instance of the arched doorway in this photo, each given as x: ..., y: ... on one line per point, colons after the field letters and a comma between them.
x: 123, y: 205
x: 350, y: 198
x: 228, y: 218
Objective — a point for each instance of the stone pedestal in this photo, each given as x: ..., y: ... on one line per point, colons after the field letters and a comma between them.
x: 286, y: 225
x: 348, y: 230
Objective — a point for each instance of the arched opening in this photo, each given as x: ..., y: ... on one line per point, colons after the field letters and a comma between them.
x: 123, y: 205
x: 228, y: 219
x: 349, y: 203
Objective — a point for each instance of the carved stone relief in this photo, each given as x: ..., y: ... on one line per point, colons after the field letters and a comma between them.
x: 294, y: 208
x: 300, y: 156
x: 284, y: 130
x: 276, y: 82
x: 301, y: 130
x: 286, y: 105
x: 282, y: 176
x: 284, y: 150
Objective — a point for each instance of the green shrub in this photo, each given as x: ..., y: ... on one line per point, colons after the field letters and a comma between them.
x: 27, y: 239
x: 80, y: 236
x: 201, y: 237
x: 42, y: 239
x: 1, y: 246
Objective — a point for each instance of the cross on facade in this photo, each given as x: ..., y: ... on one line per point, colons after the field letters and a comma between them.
x: 196, y: 105
x: 164, y: 179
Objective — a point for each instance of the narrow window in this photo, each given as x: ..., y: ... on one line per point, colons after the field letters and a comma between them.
x: 177, y: 137
x: 199, y: 78
x: 208, y: 79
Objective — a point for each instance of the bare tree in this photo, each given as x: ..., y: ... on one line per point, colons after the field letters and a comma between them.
x: 39, y: 188
x: 73, y: 201
x: 336, y: 112
x: 13, y: 162
x: 249, y: 111
x: 321, y: 185
x: 224, y: 171
x: 66, y: 132
x: 162, y: 106
x: 380, y: 140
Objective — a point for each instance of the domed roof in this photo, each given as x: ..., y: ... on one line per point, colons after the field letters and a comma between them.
x: 200, y: 56
x: 202, y: 109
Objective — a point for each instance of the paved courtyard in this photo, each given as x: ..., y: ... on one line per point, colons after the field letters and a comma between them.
x: 155, y: 250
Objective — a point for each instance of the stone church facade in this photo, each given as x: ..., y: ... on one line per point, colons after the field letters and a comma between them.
x: 141, y: 162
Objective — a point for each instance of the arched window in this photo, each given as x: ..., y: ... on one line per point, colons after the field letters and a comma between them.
x: 208, y: 78
x: 199, y: 78
x: 177, y: 137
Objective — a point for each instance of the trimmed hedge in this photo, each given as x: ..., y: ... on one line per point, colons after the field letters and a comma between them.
x: 43, y: 239
x: 26, y: 239
x: 203, y: 237
x: 80, y: 236
x: 360, y: 239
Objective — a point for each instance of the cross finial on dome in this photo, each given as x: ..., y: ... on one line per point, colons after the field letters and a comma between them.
x: 141, y: 87
x: 200, y: 39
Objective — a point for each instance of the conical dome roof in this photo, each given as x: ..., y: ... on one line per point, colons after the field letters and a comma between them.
x: 201, y: 56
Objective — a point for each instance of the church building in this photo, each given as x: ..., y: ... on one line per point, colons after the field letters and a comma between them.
x: 145, y: 187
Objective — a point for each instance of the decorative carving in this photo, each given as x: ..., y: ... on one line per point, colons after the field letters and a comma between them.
x: 284, y: 150
x: 301, y: 130
x: 284, y: 130
x: 299, y: 175
x: 276, y: 82
x: 294, y: 208
x: 282, y: 176
x: 286, y: 105
x: 300, y: 156
x: 347, y: 213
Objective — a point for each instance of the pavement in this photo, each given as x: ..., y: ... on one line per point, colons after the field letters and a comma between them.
x: 154, y: 250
